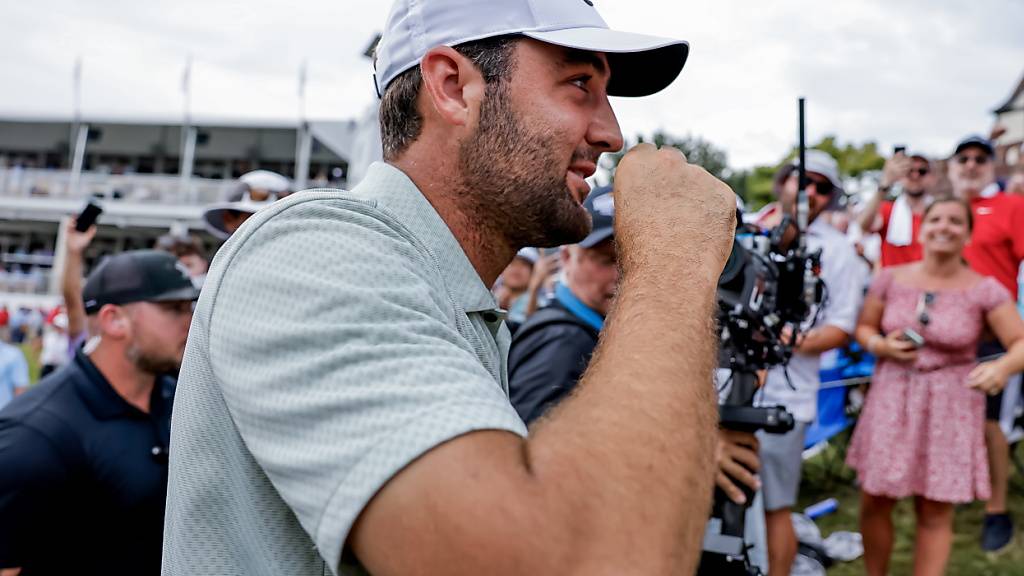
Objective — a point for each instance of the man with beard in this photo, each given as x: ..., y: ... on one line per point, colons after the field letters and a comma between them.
x: 83, y: 455
x: 996, y: 249
x: 898, y: 221
x: 343, y: 405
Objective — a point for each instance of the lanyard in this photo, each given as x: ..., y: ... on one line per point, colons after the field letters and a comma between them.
x: 578, y: 308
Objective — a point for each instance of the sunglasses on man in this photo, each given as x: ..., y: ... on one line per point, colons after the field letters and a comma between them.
x: 918, y: 171
x: 822, y: 186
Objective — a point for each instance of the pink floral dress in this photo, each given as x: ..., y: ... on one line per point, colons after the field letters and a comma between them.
x: 922, y: 431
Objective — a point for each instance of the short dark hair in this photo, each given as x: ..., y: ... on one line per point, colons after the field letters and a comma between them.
x: 400, y: 120
x: 950, y: 199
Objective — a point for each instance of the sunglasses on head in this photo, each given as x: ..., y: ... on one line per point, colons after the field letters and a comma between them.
x: 979, y: 159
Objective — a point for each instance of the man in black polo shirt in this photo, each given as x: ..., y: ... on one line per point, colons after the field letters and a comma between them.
x: 83, y: 455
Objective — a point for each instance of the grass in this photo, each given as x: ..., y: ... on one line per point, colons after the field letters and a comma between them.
x: 826, y: 476
x: 33, y: 361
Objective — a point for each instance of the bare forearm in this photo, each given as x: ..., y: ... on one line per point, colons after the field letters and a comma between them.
x: 823, y: 339
x: 638, y: 438
x: 71, y: 289
x: 1013, y: 361
x: 866, y: 217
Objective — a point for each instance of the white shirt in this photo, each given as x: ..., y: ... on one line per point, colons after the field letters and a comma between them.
x: 844, y: 277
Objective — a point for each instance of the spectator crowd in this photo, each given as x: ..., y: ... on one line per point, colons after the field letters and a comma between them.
x: 85, y: 451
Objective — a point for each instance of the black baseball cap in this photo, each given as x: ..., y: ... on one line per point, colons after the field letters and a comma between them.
x: 601, y: 206
x: 977, y: 142
x: 137, y: 276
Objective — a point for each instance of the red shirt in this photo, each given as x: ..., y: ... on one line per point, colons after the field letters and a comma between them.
x: 997, y: 244
x: 899, y: 255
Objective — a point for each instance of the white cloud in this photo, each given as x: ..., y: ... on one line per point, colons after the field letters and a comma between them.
x: 918, y: 72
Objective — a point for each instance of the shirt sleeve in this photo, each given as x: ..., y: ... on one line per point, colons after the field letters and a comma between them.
x: 1017, y: 225
x: 31, y: 474
x: 19, y: 371
x: 545, y: 367
x: 340, y: 362
x: 880, y: 285
x: 992, y: 294
x: 845, y: 282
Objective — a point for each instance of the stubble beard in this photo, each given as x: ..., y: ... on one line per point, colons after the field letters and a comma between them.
x: 151, y: 363
x: 513, y: 182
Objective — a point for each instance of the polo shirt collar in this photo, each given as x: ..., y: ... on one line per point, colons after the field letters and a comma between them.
x: 396, y: 194
x: 990, y: 191
x: 101, y: 398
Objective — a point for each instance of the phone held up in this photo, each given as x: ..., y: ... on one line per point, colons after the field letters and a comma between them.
x: 87, y: 217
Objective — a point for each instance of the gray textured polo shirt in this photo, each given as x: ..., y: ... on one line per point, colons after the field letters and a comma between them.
x: 339, y: 336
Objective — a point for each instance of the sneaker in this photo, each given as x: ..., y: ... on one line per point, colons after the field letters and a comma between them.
x: 997, y: 532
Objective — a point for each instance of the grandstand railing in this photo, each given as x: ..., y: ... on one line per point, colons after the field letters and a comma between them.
x: 134, y: 188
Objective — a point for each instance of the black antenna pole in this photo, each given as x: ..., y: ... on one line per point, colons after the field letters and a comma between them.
x: 802, y: 206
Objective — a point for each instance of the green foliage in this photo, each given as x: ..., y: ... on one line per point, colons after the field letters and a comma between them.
x: 698, y: 151
x: 755, y: 185
x: 853, y: 160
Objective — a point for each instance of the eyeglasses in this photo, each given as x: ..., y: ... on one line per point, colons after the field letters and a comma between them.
x: 927, y: 299
x: 919, y: 171
x: 979, y: 159
x: 821, y: 187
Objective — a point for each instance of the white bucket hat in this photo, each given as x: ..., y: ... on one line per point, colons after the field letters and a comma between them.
x: 641, y: 65
x: 240, y: 200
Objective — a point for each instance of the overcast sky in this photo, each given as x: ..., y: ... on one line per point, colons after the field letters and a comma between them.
x: 916, y: 72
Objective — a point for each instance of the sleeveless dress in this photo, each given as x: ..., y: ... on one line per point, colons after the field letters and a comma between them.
x: 922, y: 431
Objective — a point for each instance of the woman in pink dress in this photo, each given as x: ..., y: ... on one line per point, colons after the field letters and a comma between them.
x: 921, y: 432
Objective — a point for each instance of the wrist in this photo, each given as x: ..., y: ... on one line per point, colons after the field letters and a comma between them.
x: 874, y: 344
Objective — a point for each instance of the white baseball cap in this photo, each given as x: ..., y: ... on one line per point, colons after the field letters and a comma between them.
x: 821, y: 162
x: 641, y: 65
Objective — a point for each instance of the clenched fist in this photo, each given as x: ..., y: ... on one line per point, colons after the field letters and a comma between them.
x: 669, y: 212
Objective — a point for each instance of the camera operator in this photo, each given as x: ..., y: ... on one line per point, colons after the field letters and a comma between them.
x: 835, y: 322
x: 360, y: 421
x: 551, y: 351
x: 898, y: 221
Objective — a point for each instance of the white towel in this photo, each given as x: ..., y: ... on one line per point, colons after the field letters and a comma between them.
x: 901, y: 223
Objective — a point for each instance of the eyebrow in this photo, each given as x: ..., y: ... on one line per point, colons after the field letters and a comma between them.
x: 575, y: 56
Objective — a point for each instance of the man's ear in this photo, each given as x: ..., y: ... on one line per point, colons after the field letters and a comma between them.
x: 452, y: 85
x: 113, y: 321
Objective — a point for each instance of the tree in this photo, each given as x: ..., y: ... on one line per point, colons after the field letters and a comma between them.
x: 854, y: 161
x: 698, y: 151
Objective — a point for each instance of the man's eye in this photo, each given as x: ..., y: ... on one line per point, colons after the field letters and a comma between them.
x: 581, y: 82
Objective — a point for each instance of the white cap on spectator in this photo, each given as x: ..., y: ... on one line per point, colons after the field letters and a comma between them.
x: 821, y: 162
x: 640, y: 64
x: 529, y: 254
x: 265, y: 180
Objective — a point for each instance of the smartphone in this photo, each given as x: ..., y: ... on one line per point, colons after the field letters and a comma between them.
x: 899, y: 149
x: 913, y: 337
x: 87, y: 217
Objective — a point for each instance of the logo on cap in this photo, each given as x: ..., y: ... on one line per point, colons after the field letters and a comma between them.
x: 183, y: 269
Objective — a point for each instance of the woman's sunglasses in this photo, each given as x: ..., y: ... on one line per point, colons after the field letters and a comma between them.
x: 927, y: 299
